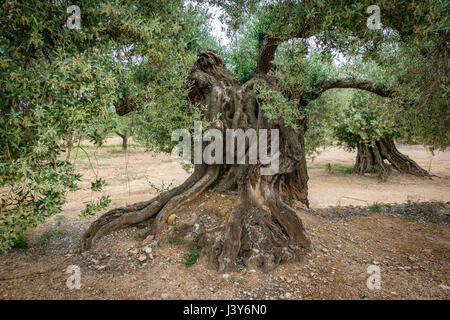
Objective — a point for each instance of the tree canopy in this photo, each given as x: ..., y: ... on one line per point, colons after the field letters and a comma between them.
x: 57, y: 82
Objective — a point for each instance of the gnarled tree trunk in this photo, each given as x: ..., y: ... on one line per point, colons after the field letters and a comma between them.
x: 264, y: 228
x: 370, y: 159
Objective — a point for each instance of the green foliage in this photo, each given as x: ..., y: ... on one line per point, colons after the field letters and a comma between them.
x: 20, y: 242
x: 408, y: 55
x: 76, y: 240
x: 421, y: 92
x: 59, y: 219
x: 342, y: 169
x: 115, y: 151
x: 133, y: 233
x: 35, y: 192
x: 164, y: 187
x: 58, y: 86
x: 94, y: 207
x: 300, y: 78
x: 366, y: 119
x: 376, y: 207
x: 44, y: 241
x: 346, y: 170
x: 192, y: 256
x: 275, y: 105
x: 417, y: 113
x: 302, y: 71
x: 241, y: 55
x: 98, y: 185
x: 57, y: 232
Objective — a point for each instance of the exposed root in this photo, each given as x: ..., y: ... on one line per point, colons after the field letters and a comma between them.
x: 255, y: 237
x: 370, y: 159
x: 185, y: 197
x: 230, y: 178
x: 123, y: 217
x: 399, y: 161
x: 262, y: 230
x: 232, y: 237
x: 267, y: 242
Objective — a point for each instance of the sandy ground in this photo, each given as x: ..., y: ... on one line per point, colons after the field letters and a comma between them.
x: 129, y: 176
x: 413, y: 256
x: 327, y: 189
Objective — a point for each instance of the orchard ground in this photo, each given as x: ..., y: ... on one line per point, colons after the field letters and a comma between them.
x: 352, y: 225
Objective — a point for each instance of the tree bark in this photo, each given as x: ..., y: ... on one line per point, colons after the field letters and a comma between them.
x: 124, y: 140
x: 370, y: 159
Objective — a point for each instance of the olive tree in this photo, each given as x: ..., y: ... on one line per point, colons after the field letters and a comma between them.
x: 264, y: 228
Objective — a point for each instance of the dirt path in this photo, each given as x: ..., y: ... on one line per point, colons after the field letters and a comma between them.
x: 413, y: 256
